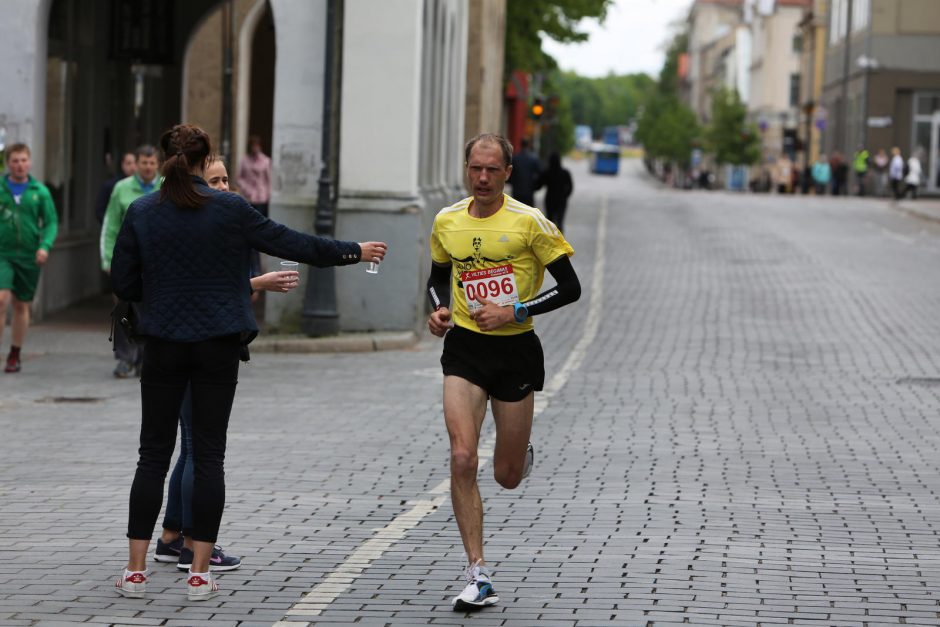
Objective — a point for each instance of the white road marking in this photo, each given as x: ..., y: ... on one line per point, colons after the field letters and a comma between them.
x: 342, y: 578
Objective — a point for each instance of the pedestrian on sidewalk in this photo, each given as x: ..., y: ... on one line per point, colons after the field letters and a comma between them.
x: 193, y: 246
x: 896, y: 172
x: 491, y: 352
x: 175, y: 543
x: 144, y: 180
x: 822, y: 173
x: 558, y: 187
x: 525, y: 174
x: 881, y: 173
x: 783, y: 174
x: 840, y: 174
x: 128, y: 168
x: 860, y: 167
x: 914, y: 175
x: 254, y: 176
x: 28, y: 228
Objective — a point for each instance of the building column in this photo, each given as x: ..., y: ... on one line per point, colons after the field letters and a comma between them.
x: 297, y: 133
x: 23, y: 33
x: 379, y: 163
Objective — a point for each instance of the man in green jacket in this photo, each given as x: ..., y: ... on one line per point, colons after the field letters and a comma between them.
x: 28, y: 227
x: 126, y: 191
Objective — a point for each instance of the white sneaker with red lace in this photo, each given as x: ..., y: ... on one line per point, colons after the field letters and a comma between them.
x: 201, y: 586
x: 133, y: 583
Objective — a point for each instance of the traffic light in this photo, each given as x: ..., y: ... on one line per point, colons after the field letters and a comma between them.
x: 537, y: 108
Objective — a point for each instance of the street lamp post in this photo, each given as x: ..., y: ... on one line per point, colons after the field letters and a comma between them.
x: 319, y: 316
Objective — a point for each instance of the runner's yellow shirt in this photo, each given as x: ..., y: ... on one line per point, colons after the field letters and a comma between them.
x: 501, y: 258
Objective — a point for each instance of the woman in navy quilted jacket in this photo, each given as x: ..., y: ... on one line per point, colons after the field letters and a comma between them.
x: 184, y: 254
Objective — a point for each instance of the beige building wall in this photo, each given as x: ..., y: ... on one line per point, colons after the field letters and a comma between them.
x: 485, y: 56
x: 202, y: 76
x: 709, y: 21
x: 774, y: 61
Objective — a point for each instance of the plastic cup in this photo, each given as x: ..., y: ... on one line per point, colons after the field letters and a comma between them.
x: 372, y: 267
x: 291, y: 266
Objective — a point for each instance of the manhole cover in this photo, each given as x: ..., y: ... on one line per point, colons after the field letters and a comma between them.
x: 923, y: 381
x: 70, y: 399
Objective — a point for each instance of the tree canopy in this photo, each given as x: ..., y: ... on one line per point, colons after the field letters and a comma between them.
x: 730, y: 136
x: 668, y: 128
x: 528, y: 20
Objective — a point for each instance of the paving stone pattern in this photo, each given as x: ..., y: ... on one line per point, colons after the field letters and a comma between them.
x: 751, y: 440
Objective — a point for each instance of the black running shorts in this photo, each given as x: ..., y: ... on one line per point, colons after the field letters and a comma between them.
x: 508, y: 367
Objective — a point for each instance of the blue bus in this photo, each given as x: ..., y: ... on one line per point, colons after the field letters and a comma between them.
x: 605, y: 159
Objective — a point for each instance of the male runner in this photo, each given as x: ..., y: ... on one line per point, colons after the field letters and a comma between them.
x: 490, y: 252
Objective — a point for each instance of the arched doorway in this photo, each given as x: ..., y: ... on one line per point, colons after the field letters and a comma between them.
x: 113, y: 74
x: 243, y: 31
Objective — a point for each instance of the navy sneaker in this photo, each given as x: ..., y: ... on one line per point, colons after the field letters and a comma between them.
x: 479, y: 591
x: 217, y: 563
x: 168, y: 551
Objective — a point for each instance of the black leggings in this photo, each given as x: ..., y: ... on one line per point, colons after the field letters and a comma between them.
x: 211, y: 368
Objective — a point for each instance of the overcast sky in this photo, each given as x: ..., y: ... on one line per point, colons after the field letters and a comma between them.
x: 631, y: 40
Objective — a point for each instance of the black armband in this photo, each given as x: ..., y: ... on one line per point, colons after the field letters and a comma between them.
x: 439, y: 286
x: 567, y: 288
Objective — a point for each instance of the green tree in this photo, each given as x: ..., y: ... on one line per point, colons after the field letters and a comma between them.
x: 527, y: 21
x: 668, y: 130
x: 730, y: 136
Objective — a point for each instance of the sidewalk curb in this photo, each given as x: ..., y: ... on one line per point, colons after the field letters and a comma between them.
x: 923, y: 210
x: 349, y: 343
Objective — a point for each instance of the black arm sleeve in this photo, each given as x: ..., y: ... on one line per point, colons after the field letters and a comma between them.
x: 567, y: 288
x: 439, y: 285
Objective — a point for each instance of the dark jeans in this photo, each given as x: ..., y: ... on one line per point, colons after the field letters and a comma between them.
x: 210, y: 369
x: 179, y: 498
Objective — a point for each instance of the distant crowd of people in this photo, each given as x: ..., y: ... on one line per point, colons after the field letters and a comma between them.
x: 880, y: 175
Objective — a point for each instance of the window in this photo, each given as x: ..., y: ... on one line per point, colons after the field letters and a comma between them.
x: 839, y: 17
x: 794, y: 90
x: 798, y: 42
x: 927, y: 104
x: 861, y: 13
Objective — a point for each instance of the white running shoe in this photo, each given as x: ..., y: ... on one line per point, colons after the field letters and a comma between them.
x: 132, y: 584
x: 529, y: 460
x: 201, y: 586
x: 479, y: 591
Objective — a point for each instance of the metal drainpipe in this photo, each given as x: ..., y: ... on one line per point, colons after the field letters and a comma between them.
x: 320, y: 316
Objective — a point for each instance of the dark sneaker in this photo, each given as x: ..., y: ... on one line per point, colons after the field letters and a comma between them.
x: 124, y: 370
x: 168, y: 551
x: 478, y: 593
x: 529, y: 460
x: 217, y: 563
x: 132, y: 584
x: 13, y: 364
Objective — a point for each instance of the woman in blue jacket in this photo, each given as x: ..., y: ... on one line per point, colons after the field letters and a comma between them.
x: 184, y: 254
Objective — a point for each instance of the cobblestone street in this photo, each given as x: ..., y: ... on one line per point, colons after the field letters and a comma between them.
x: 741, y: 428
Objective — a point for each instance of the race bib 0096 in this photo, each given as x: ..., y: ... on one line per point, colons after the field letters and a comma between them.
x: 497, y: 285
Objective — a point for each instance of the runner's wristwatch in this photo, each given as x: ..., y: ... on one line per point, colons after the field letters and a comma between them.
x: 520, y: 311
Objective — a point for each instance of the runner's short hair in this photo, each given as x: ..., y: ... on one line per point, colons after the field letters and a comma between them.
x: 487, y: 138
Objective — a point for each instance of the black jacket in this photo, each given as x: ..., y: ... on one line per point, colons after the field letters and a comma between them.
x: 190, y: 268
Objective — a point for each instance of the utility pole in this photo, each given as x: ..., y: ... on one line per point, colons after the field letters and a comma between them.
x: 846, y: 68
x: 228, y: 36
x: 320, y: 316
